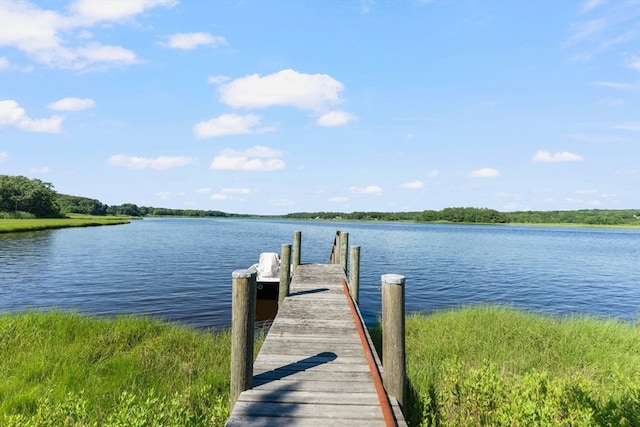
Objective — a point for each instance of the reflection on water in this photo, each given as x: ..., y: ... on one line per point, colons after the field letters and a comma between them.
x: 180, y: 269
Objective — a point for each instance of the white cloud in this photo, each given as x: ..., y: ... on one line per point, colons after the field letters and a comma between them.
x: 203, y: 190
x: 61, y: 40
x: 589, y: 191
x: 484, y: 173
x: 230, y: 124
x: 591, y: 4
x: 220, y: 196
x: 89, y: 12
x: 546, y: 157
x: 188, y: 41
x: 339, y: 199
x: 258, y: 159
x: 242, y: 190
x: 413, y: 185
x: 434, y: 173
x: 217, y: 79
x: 287, y: 87
x: 12, y: 114
x: 71, y: 104
x: 616, y: 85
x: 335, y: 118
x: 4, y: 156
x: 4, y: 63
x: 634, y: 127
x: 162, y: 162
x: 371, y: 189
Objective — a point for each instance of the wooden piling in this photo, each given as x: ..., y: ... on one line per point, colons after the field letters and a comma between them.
x: 285, y: 273
x: 242, y: 324
x: 297, y: 242
x: 354, y: 273
x: 344, y: 250
x: 393, y: 335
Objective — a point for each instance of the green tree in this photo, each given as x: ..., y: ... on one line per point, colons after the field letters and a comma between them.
x: 21, y: 194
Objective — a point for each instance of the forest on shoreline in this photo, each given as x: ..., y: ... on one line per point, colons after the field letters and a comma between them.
x: 21, y: 197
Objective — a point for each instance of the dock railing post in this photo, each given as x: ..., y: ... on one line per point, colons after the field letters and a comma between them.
x: 344, y: 251
x: 393, y: 338
x: 354, y: 273
x: 243, y: 313
x: 285, y: 273
x: 297, y: 243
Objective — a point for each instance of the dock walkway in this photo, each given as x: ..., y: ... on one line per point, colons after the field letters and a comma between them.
x: 312, y: 369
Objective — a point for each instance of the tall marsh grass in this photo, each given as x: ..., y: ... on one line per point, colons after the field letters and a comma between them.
x: 499, y: 366
x: 67, y: 369
x: 466, y: 367
x: 34, y: 224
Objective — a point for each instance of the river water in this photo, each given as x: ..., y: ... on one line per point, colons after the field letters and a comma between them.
x: 180, y: 269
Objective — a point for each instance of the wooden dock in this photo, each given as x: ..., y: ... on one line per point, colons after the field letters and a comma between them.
x: 313, y: 369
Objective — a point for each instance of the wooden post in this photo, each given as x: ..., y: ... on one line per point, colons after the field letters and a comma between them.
x: 335, y: 250
x: 393, y: 338
x: 285, y: 273
x: 354, y: 273
x: 243, y: 314
x: 344, y: 249
x: 297, y: 242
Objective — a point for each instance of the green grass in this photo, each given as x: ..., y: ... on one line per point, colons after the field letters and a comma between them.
x: 56, y: 367
x: 472, y: 366
x: 498, y: 366
x: 34, y: 224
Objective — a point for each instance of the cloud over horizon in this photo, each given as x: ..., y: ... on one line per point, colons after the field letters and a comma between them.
x: 371, y: 189
x: 12, y: 114
x: 159, y: 163
x: 255, y: 159
x: 60, y: 40
x: 284, y: 88
x: 484, y: 173
x: 71, y: 104
x: 230, y: 124
x: 190, y: 41
x: 546, y: 157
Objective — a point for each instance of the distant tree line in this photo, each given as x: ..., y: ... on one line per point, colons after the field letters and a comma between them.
x: 487, y: 216
x: 355, y: 216
x: 23, y: 197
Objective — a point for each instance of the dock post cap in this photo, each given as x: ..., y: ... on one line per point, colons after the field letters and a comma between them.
x: 243, y: 274
x: 393, y: 279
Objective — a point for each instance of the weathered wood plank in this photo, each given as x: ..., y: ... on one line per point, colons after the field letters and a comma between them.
x: 345, y: 412
x: 315, y: 397
x: 300, y: 422
x: 331, y: 386
x: 311, y: 369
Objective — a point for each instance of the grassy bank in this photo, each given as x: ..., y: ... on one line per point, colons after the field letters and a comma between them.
x: 476, y: 366
x: 34, y: 224
x: 67, y: 369
x: 494, y: 366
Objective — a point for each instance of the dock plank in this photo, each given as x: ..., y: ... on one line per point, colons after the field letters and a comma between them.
x: 311, y: 369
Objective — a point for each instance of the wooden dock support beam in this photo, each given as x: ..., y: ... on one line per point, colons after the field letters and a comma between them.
x: 393, y: 338
x: 354, y: 273
x: 297, y: 242
x: 285, y: 273
x: 344, y: 250
x: 243, y: 313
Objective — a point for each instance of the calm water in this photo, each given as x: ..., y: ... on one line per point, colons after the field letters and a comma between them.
x: 180, y: 269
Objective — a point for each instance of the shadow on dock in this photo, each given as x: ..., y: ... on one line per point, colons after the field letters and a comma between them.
x: 294, y: 368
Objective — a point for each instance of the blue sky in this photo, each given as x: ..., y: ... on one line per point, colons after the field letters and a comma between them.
x: 270, y: 107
